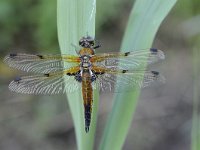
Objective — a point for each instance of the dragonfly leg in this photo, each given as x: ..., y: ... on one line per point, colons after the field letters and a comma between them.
x: 98, y: 45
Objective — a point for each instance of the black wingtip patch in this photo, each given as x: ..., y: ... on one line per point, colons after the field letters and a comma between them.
x: 156, y: 73
x: 127, y: 53
x: 46, y: 75
x: 154, y: 50
x: 13, y: 55
x: 17, y: 79
x: 124, y: 71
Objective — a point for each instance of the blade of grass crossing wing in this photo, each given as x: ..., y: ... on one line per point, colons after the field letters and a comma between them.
x: 144, y: 21
x: 75, y: 19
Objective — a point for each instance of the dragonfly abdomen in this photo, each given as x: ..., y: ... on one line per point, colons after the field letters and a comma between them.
x: 87, y: 93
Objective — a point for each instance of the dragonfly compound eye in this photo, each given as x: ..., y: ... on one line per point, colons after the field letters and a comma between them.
x: 86, y: 42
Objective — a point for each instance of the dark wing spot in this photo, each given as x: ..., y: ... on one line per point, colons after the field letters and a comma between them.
x: 98, y: 73
x: 70, y: 74
x: 12, y: 55
x: 127, y: 53
x: 40, y: 56
x: 154, y: 50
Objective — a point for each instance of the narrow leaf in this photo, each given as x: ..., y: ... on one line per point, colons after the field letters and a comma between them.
x: 75, y: 19
x: 144, y: 21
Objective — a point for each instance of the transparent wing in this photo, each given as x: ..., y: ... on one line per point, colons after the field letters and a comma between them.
x: 129, y: 60
x: 126, y: 81
x: 54, y: 83
x: 40, y: 63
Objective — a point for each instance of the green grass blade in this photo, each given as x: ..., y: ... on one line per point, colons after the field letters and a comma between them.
x: 196, y: 119
x: 75, y: 19
x: 143, y: 24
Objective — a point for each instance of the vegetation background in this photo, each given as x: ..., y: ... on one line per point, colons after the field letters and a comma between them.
x: 163, y: 119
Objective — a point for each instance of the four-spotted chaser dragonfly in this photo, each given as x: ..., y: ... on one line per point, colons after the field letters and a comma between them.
x: 114, y: 71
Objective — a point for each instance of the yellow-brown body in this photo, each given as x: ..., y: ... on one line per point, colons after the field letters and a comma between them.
x: 87, y: 91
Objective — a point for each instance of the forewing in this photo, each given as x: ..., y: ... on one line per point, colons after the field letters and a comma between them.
x: 126, y: 82
x: 129, y: 60
x: 40, y: 63
x: 54, y: 83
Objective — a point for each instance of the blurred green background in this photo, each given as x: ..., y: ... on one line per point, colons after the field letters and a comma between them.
x: 163, y: 119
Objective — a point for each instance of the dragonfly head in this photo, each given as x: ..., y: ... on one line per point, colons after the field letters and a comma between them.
x: 86, y: 42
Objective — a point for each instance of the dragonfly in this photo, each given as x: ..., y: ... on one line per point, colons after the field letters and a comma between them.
x: 87, y: 71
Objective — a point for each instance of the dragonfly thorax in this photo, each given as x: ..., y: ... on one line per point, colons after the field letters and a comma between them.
x: 85, y: 61
x: 85, y: 58
x: 85, y: 70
